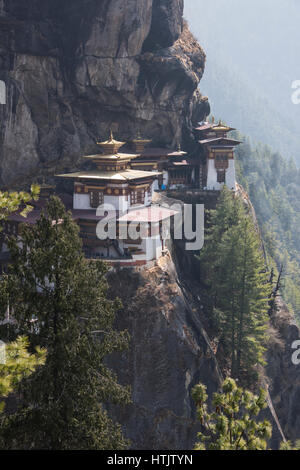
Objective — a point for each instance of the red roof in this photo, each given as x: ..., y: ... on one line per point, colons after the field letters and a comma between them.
x: 83, y: 214
x: 204, y: 127
x: 219, y: 140
x: 161, y: 152
x: 148, y: 214
x: 38, y: 206
x: 31, y: 218
x: 182, y: 163
x: 34, y: 215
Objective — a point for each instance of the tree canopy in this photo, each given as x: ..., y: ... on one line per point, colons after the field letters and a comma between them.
x: 234, y: 424
x: 59, y: 301
x: 236, y: 276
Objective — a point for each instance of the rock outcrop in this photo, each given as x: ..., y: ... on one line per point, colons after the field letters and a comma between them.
x: 283, y: 375
x: 169, y: 354
x: 74, y: 69
x: 171, y: 351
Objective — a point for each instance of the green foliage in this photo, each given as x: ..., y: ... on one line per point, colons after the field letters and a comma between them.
x: 289, y: 446
x: 234, y: 265
x: 233, y: 425
x: 273, y: 184
x: 18, y: 363
x: 11, y: 201
x: 59, y: 301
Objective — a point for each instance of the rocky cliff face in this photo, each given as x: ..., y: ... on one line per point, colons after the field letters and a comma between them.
x: 73, y: 69
x: 283, y: 376
x: 171, y: 351
x: 169, y: 354
x: 172, y: 348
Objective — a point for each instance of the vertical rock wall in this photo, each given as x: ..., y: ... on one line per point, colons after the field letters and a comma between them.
x: 73, y: 69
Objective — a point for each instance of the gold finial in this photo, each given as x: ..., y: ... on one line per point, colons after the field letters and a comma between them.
x: 111, y: 146
x: 179, y: 147
x: 139, y: 135
x: 213, y: 119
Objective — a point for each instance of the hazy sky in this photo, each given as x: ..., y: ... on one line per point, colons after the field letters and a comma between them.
x: 256, y: 43
x: 260, y: 37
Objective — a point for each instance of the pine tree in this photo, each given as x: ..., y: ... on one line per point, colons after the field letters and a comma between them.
x: 290, y: 446
x: 59, y: 301
x: 16, y: 362
x: 238, y: 284
x: 233, y: 425
x: 11, y: 201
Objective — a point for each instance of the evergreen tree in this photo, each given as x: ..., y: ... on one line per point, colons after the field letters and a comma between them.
x: 233, y: 425
x: 59, y: 301
x: 11, y: 201
x: 16, y: 364
x: 290, y: 446
x: 273, y: 186
x: 15, y: 360
x: 238, y: 284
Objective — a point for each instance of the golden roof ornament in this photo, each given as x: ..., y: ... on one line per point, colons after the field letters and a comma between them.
x: 221, y: 127
x: 139, y: 143
x: 43, y: 184
x: 111, y: 146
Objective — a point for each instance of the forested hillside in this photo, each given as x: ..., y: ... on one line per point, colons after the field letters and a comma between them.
x: 273, y: 184
x: 251, y: 63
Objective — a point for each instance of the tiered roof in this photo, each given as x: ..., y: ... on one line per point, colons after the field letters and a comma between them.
x: 111, y: 165
x: 212, y: 126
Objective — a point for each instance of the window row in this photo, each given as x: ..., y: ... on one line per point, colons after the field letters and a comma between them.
x: 136, y: 197
x: 96, y: 198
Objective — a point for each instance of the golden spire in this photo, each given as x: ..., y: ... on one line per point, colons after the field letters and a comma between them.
x: 221, y: 127
x: 111, y: 146
x: 139, y: 143
x: 139, y: 135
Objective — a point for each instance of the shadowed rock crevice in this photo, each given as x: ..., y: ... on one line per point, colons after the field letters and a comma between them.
x: 75, y: 69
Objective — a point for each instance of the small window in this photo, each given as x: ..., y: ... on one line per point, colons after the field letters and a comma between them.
x: 221, y: 176
x: 96, y: 198
x: 137, y: 197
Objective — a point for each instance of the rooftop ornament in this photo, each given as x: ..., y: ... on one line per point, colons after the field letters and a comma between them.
x: 222, y: 127
x: 111, y: 146
x: 139, y: 143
